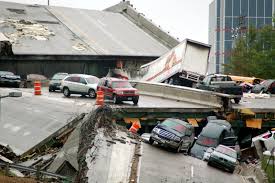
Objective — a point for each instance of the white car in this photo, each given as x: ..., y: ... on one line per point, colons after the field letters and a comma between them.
x: 79, y: 84
x: 207, y: 153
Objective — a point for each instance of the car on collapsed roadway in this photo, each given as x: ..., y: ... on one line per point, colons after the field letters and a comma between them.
x: 214, y: 133
x: 82, y: 84
x: 173, y: 133
x: 118, y: 90
x: 55, y: 81
x: 266, y: 86
x: 221, y: 84
x: 223, y: 157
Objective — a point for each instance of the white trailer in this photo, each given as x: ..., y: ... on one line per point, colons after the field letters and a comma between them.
x: 185, y: 64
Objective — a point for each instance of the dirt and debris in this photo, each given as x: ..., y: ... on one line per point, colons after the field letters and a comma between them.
x: 18, y: 11
x: 5, y: 45
x: 135, y: 163
x: 30, y: 29
x: 79, y: 47
x: 101, y: 117
x: 7, y: 152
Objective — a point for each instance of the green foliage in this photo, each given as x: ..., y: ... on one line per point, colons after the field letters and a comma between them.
x: 254, y: 54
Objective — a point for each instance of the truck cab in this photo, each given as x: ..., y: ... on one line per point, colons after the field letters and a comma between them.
x: 222, y: 84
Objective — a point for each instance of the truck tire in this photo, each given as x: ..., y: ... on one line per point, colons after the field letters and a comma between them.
x: 237, y: 100
x: 66, y: 92
x: 116, y: 100
x: 135, y: 101
x: 151, y: 141
x: 92, y: 93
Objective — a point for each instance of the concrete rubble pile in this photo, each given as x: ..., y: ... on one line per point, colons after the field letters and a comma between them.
x: 107, y: 152
x: 27, y: 29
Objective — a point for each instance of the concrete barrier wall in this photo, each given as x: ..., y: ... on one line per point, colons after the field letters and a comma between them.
x: 179, y: 93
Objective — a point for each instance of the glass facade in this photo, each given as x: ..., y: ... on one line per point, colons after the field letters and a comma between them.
x: 236, y: 15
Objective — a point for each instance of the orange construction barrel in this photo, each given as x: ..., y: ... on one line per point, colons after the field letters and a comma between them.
x: 99, y: 98
x: 135, y: 127
x: 37, y: 88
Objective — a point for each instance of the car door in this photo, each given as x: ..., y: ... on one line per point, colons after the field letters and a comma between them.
x: 83, y: 85
x: 74, y: 86
x: 109, y: 90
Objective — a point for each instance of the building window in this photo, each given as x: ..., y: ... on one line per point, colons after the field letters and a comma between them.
x: 236, y: 8
x: 260, y: 8
x: 252, y: 8
x: 268, y: 21
x: 228, y: 8
x: 268, y: 8
x: 244, y: 7
x: 218, y: 8
x: 252, y: 22
x: 228, y: 28
x: 260, y: 22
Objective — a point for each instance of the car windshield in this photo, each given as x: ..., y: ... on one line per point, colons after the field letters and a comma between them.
x: 121, y: 84
x: 227, y: 151
x: 6, y: 73
x: 207, y: 141
x: 174, y: 125
x: 92, y: 80
x: 59, y: 76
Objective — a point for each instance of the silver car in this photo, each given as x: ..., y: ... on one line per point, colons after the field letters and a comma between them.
x: 79, y: 84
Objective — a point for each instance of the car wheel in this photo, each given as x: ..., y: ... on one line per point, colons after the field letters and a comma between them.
x: 151, y: 141
x: 116, y: 100
x: 237, y: 100
x: 92, y: 93
x: 135, y: 101
x: 50, y: 90
x: 178, y: 150
x: 66, y: 92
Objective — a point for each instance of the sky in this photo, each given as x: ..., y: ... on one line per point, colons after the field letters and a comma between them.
x: 181, y: 18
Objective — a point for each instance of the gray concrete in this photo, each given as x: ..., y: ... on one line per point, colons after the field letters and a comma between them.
x: 159, y: 165
x: 78, y: 32
x: 185, y: 94
x: 27, y: 120
x: 257, y: 105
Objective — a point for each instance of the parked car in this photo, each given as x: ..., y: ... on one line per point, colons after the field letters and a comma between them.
x: 213, y: 134
x: 267, y: 86
x: 223, y: 157
x: 222, y: 84
x: 9, y: 79
x: 173, y: 133
x: 118, y: 90
x: 79, y: 84
x: 55, y: 81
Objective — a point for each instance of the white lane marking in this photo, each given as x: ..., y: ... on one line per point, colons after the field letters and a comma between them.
x: 192, y: 171
x: 15, y: 128
x: 26, y: 133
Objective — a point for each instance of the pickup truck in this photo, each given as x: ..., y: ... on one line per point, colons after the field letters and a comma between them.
x: 222, y: 84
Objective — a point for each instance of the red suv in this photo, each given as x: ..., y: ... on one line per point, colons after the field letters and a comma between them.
x: 118, y: 90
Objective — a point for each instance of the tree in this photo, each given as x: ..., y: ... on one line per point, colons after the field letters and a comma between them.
x: 254, y: 54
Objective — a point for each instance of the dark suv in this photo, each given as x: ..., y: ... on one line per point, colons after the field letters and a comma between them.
x: 118, y: 90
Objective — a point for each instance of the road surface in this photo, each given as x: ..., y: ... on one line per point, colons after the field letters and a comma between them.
x: 161, y: 166
x: 27, y: 120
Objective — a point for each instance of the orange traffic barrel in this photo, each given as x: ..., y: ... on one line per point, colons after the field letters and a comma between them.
x: 99, y: 98
x: 37, y: 88
x: 135, y: 127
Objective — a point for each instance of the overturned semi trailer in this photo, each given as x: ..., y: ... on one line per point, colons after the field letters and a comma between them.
x: 184, y: 65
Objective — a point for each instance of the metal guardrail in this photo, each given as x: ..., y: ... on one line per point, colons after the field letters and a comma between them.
x: 29, y: 169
